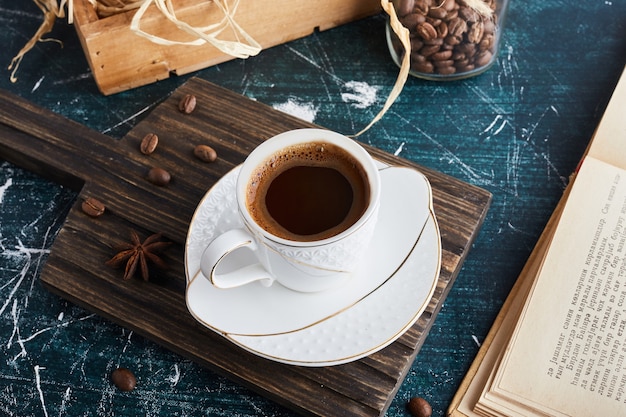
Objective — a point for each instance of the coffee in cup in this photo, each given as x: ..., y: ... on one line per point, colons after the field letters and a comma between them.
x: 309, y: 191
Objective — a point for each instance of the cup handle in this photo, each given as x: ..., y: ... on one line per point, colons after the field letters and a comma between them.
x: 222, y: 247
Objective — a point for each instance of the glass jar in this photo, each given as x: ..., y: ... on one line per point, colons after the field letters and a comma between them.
x: 450, y: 39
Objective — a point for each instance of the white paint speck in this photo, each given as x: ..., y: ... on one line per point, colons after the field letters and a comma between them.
x: 38, y: 383
x: 400, y: 149
x: 175, y: 377
x: 4, y: 188
x: 64, y: 401
x: 476, y: 340
x: 361, y: 94
x: 304, y: 111
x: 127, y: 342
x: 145, y: 109
x: 37, y: 84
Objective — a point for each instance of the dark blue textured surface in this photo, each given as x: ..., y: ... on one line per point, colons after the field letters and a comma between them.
x: 518, y: 130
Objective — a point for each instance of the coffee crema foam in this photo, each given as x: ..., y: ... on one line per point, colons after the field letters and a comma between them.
x: 308, y: 192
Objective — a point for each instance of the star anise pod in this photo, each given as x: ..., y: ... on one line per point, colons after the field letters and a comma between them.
x: 138, y: 254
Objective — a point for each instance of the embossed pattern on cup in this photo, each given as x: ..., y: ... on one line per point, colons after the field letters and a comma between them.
x: 300, y: 264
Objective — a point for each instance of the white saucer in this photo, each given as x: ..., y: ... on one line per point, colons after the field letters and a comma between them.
x: 381, y: 301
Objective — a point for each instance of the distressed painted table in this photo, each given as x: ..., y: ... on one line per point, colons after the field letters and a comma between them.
x: 517, y: 130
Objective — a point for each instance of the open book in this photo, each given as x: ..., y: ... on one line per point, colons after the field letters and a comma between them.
x: 558, y: 346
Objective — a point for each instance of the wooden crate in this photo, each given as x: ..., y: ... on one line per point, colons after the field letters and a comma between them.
x: 121, y: 60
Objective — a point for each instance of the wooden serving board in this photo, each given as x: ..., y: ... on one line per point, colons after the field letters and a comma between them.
x: 114, y: 171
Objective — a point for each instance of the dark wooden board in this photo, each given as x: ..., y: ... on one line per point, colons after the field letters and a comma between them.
x: 114, y: 172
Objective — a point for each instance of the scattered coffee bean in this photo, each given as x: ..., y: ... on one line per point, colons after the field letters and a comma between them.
x: 124, y: 379
x: 187, y: 104
x: 205, y: 153
x: 450, y: 29
x: 92, y: 207
x: 149, y: 143
x: 159, y: 176
x: 419, y: 407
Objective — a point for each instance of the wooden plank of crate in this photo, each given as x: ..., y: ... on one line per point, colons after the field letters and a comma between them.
x: 120, y: 59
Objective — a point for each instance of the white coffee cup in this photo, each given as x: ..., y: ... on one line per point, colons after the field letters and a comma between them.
x: 310, y: 260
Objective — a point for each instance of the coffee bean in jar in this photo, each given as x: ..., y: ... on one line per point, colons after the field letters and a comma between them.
x: 450, y: 39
